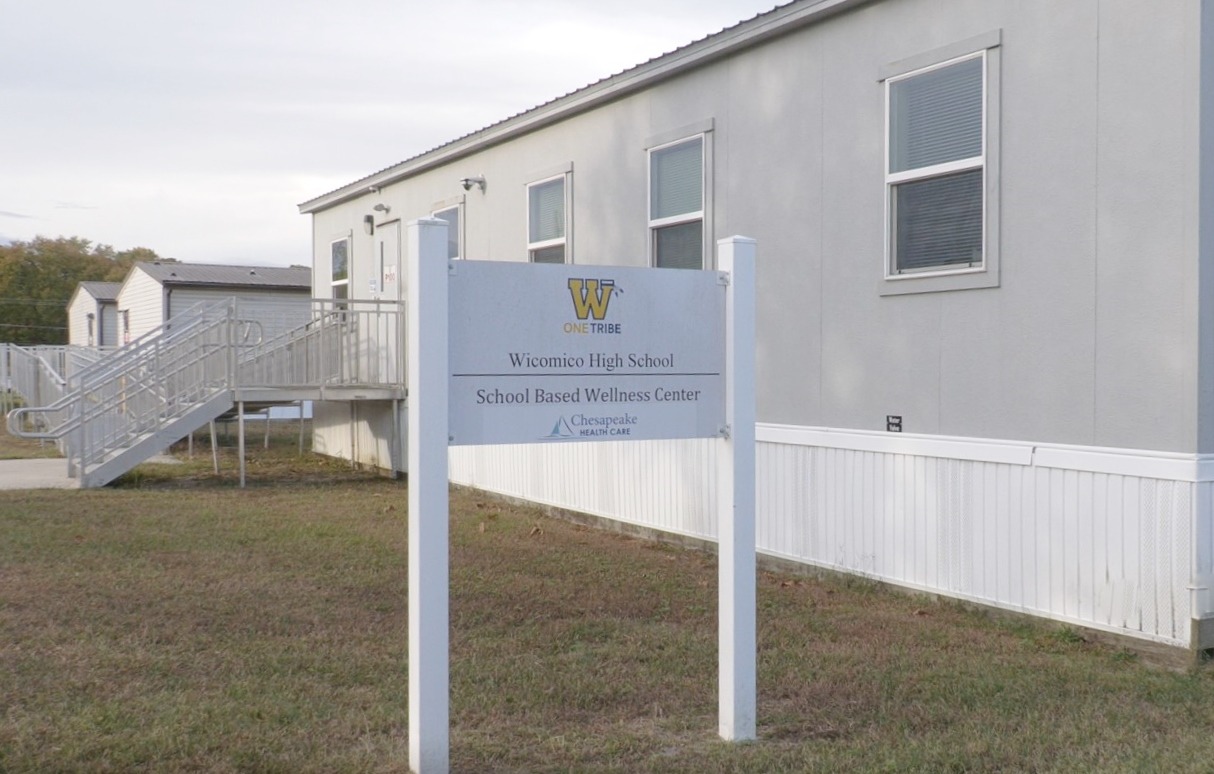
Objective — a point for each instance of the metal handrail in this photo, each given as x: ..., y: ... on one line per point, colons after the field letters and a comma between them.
x: 112, y: 403
x: 355, y: 343
x: 32, y: 376
x: 178, y: 325
x: 59, y: 417
x: 168, y: 377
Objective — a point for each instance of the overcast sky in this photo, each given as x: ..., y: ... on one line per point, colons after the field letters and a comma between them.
x: 195, y: 128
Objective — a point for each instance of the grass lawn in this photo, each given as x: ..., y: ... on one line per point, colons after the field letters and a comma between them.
x: 178, y: 623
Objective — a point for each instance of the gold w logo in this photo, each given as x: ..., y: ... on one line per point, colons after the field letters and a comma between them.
x: 591, y: 297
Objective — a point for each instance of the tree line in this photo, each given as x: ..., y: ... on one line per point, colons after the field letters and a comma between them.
x: 38, y: 277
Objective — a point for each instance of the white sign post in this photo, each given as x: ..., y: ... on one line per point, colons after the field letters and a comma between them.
x: 503, y: 352
x: 736, y: 499
x: 426, y: 345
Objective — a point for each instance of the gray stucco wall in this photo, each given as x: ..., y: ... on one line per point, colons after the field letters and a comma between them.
x: 1091, y: 336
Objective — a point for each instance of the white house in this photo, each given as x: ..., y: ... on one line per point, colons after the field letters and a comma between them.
x: 986, y: 280
x: 92, y: 315
x: 277, y: 298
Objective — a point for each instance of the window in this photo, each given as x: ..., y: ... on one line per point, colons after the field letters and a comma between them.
x: 455, y: 241
x: 936, y: 168
x: 91, y: 318
x: 676, y: 204
x: 547, y: 206
x: 339, y: 268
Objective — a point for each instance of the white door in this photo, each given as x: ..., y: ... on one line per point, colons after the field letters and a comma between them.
x: 388, y: 285
x: 387, y: 261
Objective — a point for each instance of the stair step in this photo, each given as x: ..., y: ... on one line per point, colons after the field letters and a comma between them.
x: 151, y: 443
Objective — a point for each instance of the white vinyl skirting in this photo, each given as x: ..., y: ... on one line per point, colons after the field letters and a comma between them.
x: 1111, y: 539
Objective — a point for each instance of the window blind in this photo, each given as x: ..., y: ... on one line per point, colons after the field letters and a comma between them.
x: 676, y: 180
x: 546, y: 207
x: 938, y: 221
x: 936, y: 117
x: 554, y: 254
x: 680, y: 246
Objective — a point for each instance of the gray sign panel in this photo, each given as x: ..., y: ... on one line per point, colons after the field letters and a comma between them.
x: 544, y: 353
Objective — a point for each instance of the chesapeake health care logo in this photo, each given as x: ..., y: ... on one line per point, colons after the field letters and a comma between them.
x: 591, y: 301
x: 591, y: 426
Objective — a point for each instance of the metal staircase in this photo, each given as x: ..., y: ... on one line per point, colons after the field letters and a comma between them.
x: 135, y: 402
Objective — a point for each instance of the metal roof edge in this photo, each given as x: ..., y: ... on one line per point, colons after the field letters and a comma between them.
x: 240, y: 280
x: 88, y: 286
x: 178, y: 283
x: 777, y: 22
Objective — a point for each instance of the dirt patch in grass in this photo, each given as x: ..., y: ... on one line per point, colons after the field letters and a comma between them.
x: 181, y: 624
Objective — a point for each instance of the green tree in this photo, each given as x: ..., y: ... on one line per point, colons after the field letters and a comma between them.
x: 37, y: 278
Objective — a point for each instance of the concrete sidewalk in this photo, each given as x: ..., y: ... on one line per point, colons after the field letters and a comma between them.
x: 50, y: 473
x: 35, y: 474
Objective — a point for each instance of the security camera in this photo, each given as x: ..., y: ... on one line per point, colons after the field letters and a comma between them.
x: 468, y: 182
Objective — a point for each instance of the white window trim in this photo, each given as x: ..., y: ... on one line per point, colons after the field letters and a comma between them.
x: 565, y: 240
x: 986, y: 274
x: 458, y: 206
x: 703, y: 132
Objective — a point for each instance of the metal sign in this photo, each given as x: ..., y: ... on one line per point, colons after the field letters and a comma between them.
x: 543, y: 353
x: 503, y: 352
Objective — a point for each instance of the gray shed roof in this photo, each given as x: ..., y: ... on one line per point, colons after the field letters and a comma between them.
x: 215, y: 275
x: 102, y: 291
x: 779, y: 21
